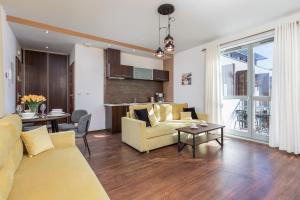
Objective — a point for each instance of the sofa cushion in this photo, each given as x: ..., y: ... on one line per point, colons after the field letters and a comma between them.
x: 193, y: 112
x: 166, y: 113
x: 37, y: 141
x: 159, y: 130
x: 153, y: 119
x: 7, y: 141
x: 139, y: 107
x: 156, y: 109
x: 185, y: 116
x: 60, y: 173
x: 142, y: 115
x: 177, y: 108
x: 15, y: 121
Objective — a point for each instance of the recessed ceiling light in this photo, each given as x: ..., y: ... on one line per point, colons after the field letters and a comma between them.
x: 87, y: 44
x: 46, y: 31
x: 47, y: 47
x: 133, y: 50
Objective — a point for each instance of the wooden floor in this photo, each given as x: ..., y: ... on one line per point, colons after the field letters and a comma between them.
x: 241, y: 170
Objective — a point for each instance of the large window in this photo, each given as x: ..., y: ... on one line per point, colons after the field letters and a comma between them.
x: 247, y: 83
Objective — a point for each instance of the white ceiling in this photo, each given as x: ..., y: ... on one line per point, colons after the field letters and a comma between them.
x: 136, y: 21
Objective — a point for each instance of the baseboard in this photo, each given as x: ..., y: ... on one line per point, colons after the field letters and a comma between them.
x: 247, y: 139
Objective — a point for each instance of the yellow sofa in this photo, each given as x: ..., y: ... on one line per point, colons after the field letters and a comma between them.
x: 142, y: 138
x: 61, y: 173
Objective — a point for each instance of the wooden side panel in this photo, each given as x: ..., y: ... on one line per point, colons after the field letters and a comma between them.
x: 58, y: 85
x: 168, y: 86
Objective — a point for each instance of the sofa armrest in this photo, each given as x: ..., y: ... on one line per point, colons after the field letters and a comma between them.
x: 202, y: 116
x: 63, y: 139
x: 133, y: 133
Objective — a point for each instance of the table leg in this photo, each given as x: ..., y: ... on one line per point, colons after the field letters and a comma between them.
x: 222, y: 137
x: 193, y: 146
x: 53, y: 126
x: 178, y: 142
x: 56, y: 126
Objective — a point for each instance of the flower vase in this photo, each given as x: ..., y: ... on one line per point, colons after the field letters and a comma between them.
x: 33, y: 108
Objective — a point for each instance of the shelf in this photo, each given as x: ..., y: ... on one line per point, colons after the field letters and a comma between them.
x: 200, y: 139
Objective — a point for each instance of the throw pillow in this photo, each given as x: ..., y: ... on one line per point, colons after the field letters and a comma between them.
x: 153, y: 119
x: 192, y: 110
x: 143, y: 116
x: 185, y: 116
x: 37, y: 141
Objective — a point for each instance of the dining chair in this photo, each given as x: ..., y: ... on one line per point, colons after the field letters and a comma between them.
x: 75, y: 117
x: 82, y: 130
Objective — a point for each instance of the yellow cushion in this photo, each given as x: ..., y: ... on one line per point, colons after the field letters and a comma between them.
x: 153, y: 120
x: 186, y: 116
x: 138, y: 107
x: 57, y: 174
x: 156, y: 108
x: 14, y: 120
x: 37, y: 141
x: 177, y: 109
x: 202, y: 116
x: 166, y: 112
x: 7, y: 141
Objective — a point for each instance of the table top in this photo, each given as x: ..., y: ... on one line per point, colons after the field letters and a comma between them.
x: 201, y: 129
x: 46, y: 118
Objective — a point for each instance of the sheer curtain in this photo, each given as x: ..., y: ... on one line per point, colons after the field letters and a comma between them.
x: 285, y: 116
x: 213, y: 89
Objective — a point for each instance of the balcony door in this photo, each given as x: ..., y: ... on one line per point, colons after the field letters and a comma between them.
x: 247, y: 83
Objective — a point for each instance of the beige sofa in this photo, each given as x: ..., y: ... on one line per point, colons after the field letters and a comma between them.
x: 142, y: 138
x: 61, y: 173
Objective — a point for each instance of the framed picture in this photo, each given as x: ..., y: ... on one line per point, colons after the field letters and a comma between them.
x: 186, y: 79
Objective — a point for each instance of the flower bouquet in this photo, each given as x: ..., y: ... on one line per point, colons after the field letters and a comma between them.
x: 33, y: 101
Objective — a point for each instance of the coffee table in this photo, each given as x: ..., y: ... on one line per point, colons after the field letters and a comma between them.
x: 200, y: 139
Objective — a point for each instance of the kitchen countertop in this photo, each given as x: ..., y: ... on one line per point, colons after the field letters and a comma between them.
x: 129, y: 104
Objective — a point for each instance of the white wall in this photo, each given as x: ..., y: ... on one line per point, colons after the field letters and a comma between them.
x: 192, y: 60
x: 89, y: 83
x: 10, y: 49
x: 141, y: 61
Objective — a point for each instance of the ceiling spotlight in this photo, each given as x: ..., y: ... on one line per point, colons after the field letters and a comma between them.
x: 133, y: 50
x: 46, y: 31
x: 47, y: 47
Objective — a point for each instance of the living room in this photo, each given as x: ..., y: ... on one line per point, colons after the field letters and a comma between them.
x: 149, y: 99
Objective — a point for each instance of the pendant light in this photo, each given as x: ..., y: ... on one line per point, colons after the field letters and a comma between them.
x: 165, y: 9
x: 169, y: 40
x: 159, y: 52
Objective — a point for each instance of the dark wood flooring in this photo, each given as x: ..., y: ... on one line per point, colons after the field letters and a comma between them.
x: 241, y: 170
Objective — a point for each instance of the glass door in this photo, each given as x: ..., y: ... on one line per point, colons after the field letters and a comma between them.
x: 247, y: 78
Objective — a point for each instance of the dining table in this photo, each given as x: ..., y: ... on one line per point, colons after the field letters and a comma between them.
x: 53, y: 119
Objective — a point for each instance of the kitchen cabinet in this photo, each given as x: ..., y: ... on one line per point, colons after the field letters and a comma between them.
x: 160, y: 75
x: 113, y: 117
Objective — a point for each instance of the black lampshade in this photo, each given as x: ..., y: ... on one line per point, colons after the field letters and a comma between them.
x: 159, y: 53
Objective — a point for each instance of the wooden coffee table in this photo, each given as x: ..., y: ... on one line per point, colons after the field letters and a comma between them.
x: 200, y: 139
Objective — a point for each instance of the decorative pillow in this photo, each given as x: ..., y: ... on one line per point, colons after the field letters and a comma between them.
x: 166, y: 112
x: 37, y: 141
x: 185, y: 116
x: 143, y: 116
x: 153, y: 119
x: 192, y: 110
x: 177, y: 108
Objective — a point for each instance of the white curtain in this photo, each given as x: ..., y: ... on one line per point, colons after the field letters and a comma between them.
x: 213, y: 89
x: 285, y: 106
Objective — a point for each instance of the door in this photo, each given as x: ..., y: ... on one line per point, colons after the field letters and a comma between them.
x: 71, y: 87
x: 247, y: 83
x: 20, y: 83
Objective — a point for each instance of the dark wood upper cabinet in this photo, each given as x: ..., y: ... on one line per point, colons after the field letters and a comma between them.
x: 160, y: 75
x: 127, y: 71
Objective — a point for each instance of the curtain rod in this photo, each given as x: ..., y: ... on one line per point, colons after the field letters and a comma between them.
x: 247, y: 36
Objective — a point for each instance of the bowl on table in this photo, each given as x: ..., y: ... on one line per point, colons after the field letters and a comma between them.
x: 28, y: 115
